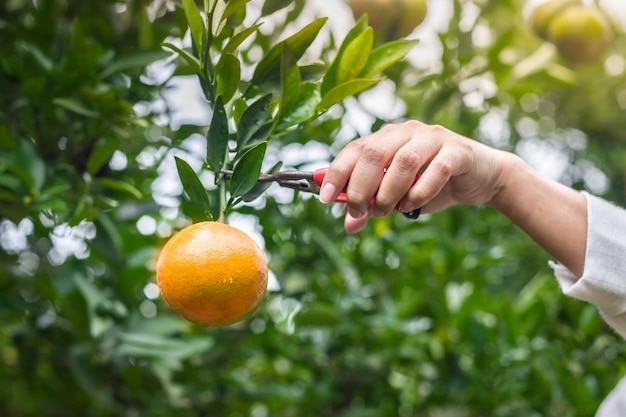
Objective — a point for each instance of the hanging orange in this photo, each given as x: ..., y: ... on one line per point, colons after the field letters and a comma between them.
x: 212, y: 274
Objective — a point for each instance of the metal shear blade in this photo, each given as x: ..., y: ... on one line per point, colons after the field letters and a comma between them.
x: 296, y: 180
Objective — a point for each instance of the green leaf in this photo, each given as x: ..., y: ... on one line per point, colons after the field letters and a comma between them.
x: 262, y: 134
x: 83, y: 210
x: 7, y: 196
x: 193, y: 187
x: 238, y: 38
x: 155, y: 346
x: 13, y: 183
x: 117, y: 185
x: 53, y: 190
x: 233, y: 7
x: 98, y: 302
x: 253, y: 119
x: 290, y: 77
x: 101, y: 154
x: 161, y: 325
x: 195, y: 22
x: 110, y: 237
x: 239, y: 106
x: 75, y: 106
x: 317, y: 314
x: 246, y: 172
x: 269, y: 66
x: 298, y: 101
x: 194, y: 62
x: 217, y: 137
x: 535, y: 62
x: 562, y: 75
x: 216, y: 17
x: 301, y: 107
x: 207, y: 87
x: 7, y: 140
x: 36, y: 53
x: 271, y: 6
x: 138, y: 59
x: 312, y: 72
x: 354, y: 56
x: 228, y: 71
x: 345, y: 90
x: 260, y: 187
x: 105, y: 202
x: 56, y: 205
x: 28, y: 165
x: 330, y: 79
x: 385, y: 56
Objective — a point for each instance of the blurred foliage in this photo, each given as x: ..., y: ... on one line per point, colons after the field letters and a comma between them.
x: 456, y: 313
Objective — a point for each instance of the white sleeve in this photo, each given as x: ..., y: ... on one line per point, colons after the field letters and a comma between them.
x: 615, y: 404
x: 603, y: 282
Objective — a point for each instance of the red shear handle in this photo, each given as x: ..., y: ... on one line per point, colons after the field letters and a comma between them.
x: 319, y: 175
x: 318, y: 178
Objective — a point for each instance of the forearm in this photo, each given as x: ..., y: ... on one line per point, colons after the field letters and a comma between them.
x: 552, y: 214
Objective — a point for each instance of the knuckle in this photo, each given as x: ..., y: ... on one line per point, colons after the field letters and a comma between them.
x: 354, y: 146
x: 380, y: 211
x: 387, y: 127
x: 406, y: 160
x: 373, y: 153
x: 383, y: 206
x: 437, y: 130
x: 358, y: 200
x: 341, y: 170
x: 413, y: 124
x: 466, y: 147
x: 442, y: 167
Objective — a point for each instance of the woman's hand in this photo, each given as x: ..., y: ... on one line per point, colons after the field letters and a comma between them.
x: 453, y: 169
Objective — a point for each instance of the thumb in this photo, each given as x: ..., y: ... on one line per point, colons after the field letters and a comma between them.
x: 355, y: 224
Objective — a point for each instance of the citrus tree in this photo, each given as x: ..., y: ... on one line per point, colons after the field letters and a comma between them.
x: 455, y: 313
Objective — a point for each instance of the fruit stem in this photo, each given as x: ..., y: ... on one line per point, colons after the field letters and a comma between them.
x: 223, y: 207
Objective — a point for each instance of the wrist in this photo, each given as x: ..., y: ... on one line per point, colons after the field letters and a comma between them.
x: 512, y: 174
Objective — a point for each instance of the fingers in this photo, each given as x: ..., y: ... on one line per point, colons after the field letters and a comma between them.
x: 359, y: 169
x: 425, y: 144
x: 401, y: 174
x: 368, y: 172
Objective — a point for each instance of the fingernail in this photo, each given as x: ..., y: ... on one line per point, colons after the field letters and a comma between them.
x: 327, y: 193
x: 406, y: 207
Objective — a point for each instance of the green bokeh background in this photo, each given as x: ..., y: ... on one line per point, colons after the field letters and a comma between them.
x: 455, y: 314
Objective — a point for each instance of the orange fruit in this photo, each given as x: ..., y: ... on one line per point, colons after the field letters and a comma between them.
x: 212, y: 274
x: 544, y: 13
x: 580, y: 33
x: 391, y: 19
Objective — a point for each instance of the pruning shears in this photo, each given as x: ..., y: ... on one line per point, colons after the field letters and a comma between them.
x: 310, y: 182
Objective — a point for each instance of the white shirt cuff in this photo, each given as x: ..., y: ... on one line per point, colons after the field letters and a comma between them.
x: 603, y: 282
